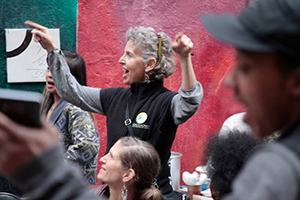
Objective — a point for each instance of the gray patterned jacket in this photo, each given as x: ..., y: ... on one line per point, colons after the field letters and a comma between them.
x: 78, y: 135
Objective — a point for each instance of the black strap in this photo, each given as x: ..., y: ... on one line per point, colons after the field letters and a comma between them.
x: 128, y: 121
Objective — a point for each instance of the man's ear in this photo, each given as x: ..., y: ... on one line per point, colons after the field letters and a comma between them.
x: 294, y: 83
x: 128, y: 175
x: 150, y: 65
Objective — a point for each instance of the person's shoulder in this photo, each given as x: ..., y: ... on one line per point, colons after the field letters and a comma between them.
x: 275, y: 154
x: 274, y: 148
x: 270, y: 149
x: 269, y: 168
x: 75, y: 112
x: 167, y: 93
x: 113, y: 91
x: 73, y: 109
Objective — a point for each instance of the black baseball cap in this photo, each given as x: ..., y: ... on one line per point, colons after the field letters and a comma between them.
x: 263, y: 26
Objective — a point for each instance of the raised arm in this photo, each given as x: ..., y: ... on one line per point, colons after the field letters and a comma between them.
x: 187, y: 101
x: 183, y: 46
x: 67, y: 86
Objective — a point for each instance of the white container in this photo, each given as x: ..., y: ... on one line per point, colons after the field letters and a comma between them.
x: 174, y: 163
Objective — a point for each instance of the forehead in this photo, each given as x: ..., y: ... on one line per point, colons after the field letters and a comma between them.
x: 116, y: 148
x: 260, y: 60
x: 131, y: 47
x: 249, y: 56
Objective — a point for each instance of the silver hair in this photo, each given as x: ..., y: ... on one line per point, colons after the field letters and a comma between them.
x: 146, y: 40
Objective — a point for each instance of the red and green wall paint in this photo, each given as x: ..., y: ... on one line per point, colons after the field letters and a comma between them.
x: 96, y: 30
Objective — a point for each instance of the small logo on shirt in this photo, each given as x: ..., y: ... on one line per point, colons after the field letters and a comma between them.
x: 141, y: 117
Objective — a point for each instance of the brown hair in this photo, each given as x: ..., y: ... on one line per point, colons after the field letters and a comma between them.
x: 77, y: 68
x: 144, y: 160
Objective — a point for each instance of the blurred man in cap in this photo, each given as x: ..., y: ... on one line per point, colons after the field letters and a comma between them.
x: 266, y: 79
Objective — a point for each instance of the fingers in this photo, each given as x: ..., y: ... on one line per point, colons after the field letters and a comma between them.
x: 15, y: 132
x: 22, y: 143
x: 176, y: 42
x: 38, y: 35
x: 12, y: 130
x: 5, y: 123
x: 178, y: 36
x: 39, y: 31
x: 35, y: 25
x: 185, y: 42
x: 182, y: 44
x: 42, y: 35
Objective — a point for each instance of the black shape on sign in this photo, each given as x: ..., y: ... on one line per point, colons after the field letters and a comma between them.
x: 22, y: 47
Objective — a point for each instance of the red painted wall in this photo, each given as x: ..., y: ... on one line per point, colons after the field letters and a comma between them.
x: 101, y: 40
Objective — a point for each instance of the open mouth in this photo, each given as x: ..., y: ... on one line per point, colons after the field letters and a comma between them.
x: 102, y: 169
x: 125, y: 70
x: 50, y: 83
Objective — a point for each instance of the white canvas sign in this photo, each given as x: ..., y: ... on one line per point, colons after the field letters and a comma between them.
x: 26, y: 59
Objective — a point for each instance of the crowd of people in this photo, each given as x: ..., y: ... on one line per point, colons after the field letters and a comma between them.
x: 142, y: 119
x: 146, y: 109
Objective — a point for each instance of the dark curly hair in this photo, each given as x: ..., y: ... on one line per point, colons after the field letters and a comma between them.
x: 225, y: 156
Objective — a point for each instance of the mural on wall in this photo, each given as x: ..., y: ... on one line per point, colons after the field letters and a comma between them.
x: 101, y: 40
x: 26, y: 59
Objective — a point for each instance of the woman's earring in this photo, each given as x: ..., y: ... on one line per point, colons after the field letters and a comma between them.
x: 147, y: 78
x: 124, y: 192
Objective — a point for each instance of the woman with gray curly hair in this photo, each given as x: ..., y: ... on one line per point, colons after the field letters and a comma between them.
x: 145, y: 39
x: 147, y: 109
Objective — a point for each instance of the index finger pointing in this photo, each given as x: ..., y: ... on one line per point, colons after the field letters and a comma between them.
x: 35, y: 25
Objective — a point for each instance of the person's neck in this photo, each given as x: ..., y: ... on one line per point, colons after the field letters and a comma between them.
x: 56, y: 100
x: 291, y: 113
x: 114, y: 194
x: 289, y: 119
